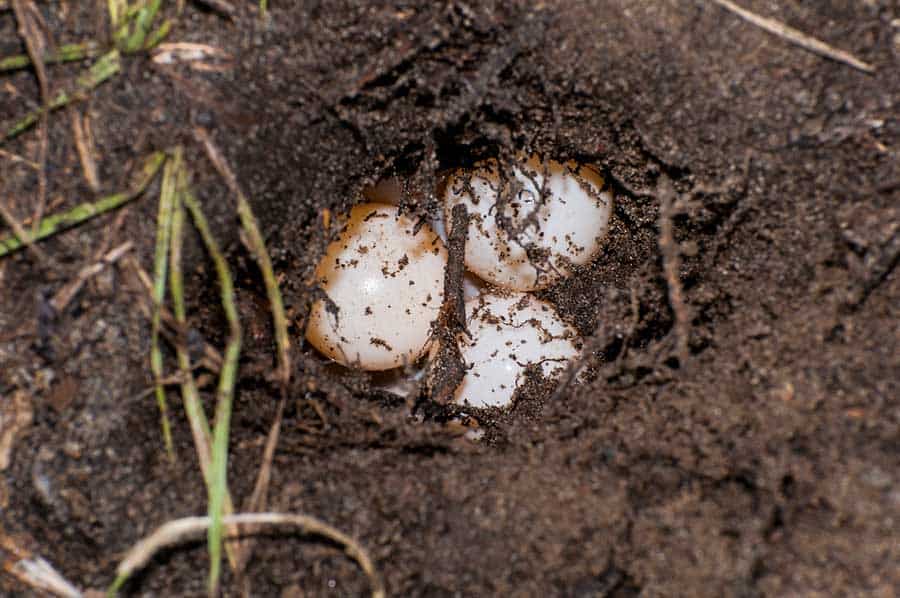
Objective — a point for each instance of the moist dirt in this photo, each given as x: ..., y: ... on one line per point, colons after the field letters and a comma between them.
x: 738, y: 435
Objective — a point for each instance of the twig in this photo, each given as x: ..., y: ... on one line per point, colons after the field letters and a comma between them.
x: 32, y: 570
x: 17, y: 158
x: 16, y: 414
x: 796, y: 37
x: 28, y: 17
x: 84, y: 144
x: 22, y: 236
x: 64, y: 296
x: 180, y: 530
x: 671, y: 258
x: 258, y: 248
x: 59, y: 222
x: 259, y: 498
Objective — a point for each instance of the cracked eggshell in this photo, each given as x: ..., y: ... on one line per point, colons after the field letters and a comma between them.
x: 509, y: 333
x: 387, y: 285
x: 567, y: 226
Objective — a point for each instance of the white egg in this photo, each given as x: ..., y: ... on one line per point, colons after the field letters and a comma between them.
x: 390, y: 191
x: 566, y: 227
x: 510, y: 333
x: 387, y: 284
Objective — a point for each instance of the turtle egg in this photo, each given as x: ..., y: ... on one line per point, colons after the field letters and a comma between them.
x: 563, y: 227
x: 508, y: 334
x: 383, y: 280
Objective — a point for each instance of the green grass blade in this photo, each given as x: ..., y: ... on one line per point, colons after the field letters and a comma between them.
x: 142, y: 23
x: 203, y: 438
x: 118, y: 22
x: 65, y: 53
x: 81, y: 213
x: 105, y: 67
x: 258, y: 246
x: 157, y: 36
x: 163, y: 232
x: 218, y: 486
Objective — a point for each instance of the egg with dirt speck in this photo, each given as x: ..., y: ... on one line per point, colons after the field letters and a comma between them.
x: 529, y: 226
x: 510, y: 333
x: 381, y: 287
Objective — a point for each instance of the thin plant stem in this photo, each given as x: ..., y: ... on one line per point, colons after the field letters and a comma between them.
x: 83, y: 212
x: 218, y: 486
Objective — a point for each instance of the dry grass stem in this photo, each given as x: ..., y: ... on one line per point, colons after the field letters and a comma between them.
x: 796, y: 37
x: 31, y: 30
x: 24, y: 237
x: 80, y: 213
x: 258, y: 248
x: 15, y: 416
x: 212, y: 359
x: 22, y: 564
x: 180, y: 530
x: 671, y: 258
x: 103, y: 68
x: 84, y: 144
x: 39, y: 574
x: 19, y: 159
x: 65, y: 295
x: 259, y: 498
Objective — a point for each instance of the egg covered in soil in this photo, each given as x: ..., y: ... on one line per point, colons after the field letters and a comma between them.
x: 528, y: 226
x: 510, y: 333
x: 382, y: 280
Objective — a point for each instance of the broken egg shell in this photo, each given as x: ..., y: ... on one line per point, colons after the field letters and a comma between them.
x: 387, y: 285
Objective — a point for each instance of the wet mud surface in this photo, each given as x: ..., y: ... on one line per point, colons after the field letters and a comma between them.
x: 740, y: 439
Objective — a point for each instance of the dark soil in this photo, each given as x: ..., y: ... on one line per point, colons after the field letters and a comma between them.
x: 766, y: 462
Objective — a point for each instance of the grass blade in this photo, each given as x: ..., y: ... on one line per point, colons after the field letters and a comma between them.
x: 157, y: 36
x: 65, y: 53
x: 218, y: 486
x: 118, y: 23
x: 260, y: 253
x: 142, y: 23
x: 163, y: 232
x: 81, y: 213
x: 203, y: 438
x: 105, y: 67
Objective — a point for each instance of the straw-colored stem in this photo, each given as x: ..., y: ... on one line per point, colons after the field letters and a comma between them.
x: 179, y: 530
